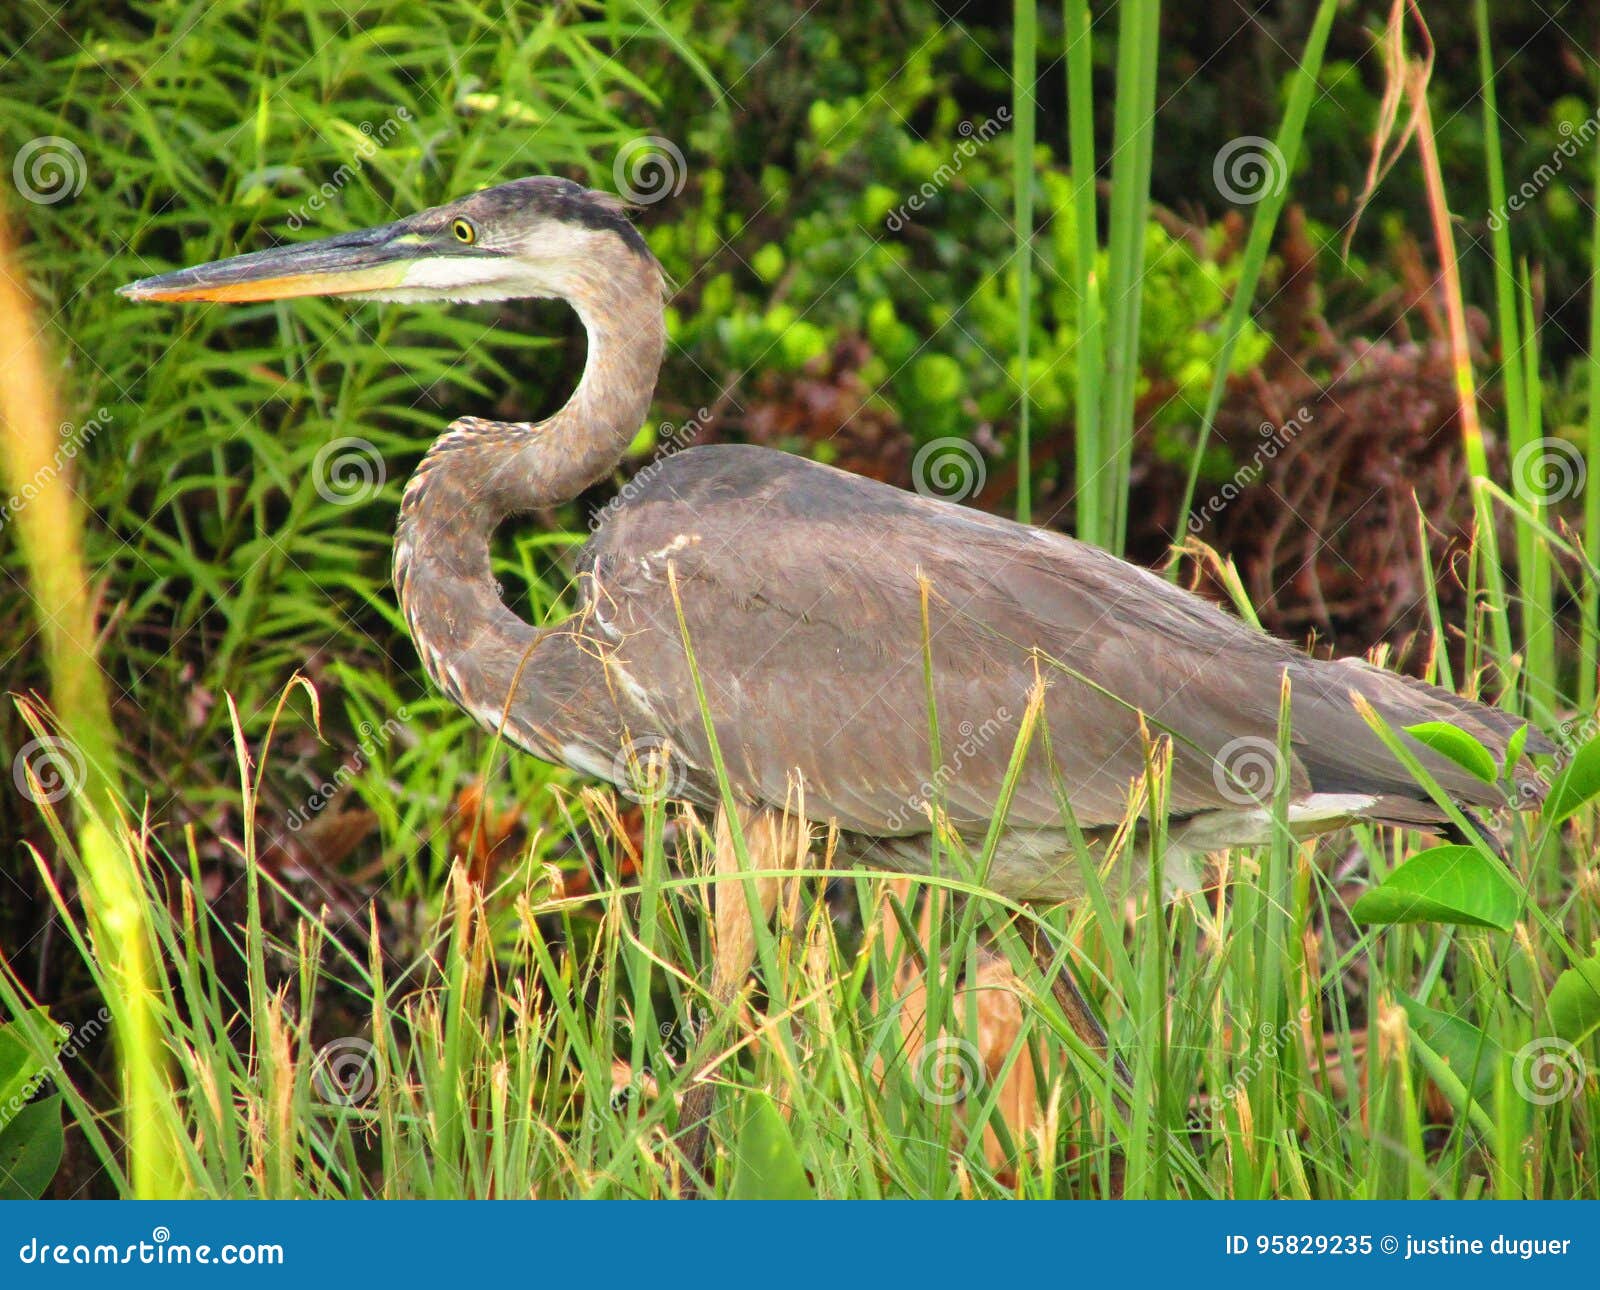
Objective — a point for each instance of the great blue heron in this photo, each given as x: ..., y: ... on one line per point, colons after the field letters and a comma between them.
x: 829, y: 615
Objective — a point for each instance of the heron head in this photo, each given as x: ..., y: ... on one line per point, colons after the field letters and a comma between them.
x: 529, y: 237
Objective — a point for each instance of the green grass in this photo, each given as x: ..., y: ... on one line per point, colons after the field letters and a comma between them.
x: 521, y: 1037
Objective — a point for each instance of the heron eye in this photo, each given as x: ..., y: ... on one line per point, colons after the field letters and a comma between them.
x: 463, y: 231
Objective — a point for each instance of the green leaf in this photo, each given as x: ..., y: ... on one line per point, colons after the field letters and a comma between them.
x: 1575, y: 785
x: 1457, y: 746
x: 30, y: 1150
x: 1451, y: 884
x: 1514, y: 747
x: 1574, y: 1008
x: 20, y: 1066
x: 1468, y: 1051
x: 766, y: 1163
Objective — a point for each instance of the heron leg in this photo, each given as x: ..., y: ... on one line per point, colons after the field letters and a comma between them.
x: 773, y: 840
x: 1077, y: 1009
x: 1080, y: 1015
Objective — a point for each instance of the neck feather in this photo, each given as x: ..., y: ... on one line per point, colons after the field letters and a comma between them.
x: 480, y: 472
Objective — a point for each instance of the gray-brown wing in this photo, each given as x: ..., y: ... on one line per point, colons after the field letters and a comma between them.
x: 803, y: 591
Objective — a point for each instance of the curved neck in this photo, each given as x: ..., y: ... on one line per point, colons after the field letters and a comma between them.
x: 480, y: 472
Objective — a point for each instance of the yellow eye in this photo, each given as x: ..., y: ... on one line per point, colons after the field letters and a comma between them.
x: 463, y: 231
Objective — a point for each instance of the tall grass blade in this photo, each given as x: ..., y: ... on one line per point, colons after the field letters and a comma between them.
x: 1024, y: 61
x: 49, y: 532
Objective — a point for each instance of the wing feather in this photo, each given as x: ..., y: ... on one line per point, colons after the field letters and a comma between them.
x: 804, y: 591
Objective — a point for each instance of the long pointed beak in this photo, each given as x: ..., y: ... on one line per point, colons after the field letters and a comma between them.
x: 371, y: 259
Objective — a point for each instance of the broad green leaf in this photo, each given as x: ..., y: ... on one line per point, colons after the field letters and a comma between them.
x: 1457, y: 746
x: 766, y: 1163
x: 1451, y: 884
x: 30, y: 1150
x: 1468, y: 1051
x: 1575, y: 785
x: 1575, y: 1001
x: 1514, y: 747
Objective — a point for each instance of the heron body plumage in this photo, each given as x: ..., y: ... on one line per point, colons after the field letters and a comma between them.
x: 833, y: 624
x: 813, y: 599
